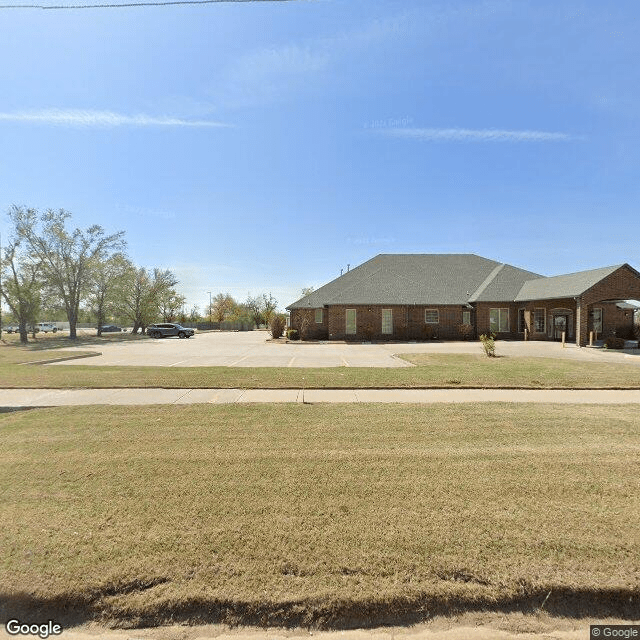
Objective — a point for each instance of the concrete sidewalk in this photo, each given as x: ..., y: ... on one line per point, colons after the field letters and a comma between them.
x: 66, y: 397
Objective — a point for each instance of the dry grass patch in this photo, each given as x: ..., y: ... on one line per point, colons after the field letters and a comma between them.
x: 325, y: 515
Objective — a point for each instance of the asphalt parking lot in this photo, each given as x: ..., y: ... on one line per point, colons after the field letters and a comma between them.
x: 252, y: 349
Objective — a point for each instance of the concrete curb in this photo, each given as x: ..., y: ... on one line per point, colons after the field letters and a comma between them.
x: 64, y: 358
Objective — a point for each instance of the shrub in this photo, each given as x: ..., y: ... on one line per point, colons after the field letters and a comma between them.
x: 489, y: 345
x: 292, y: 334
x: 277, y: 325
x: 466, y: 331
x: 614, y: 342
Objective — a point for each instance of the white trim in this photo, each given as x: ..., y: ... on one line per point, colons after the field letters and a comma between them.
x: 437, y: 320
x: 592, y: 319
x: 346, y: 322
x: 389, y: 324
x: 500, y: 324
x: 544, y: 319
x: 468, y: 312
x: 319, y: 321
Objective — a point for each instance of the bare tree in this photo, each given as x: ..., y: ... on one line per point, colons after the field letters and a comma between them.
x: 67, y: 259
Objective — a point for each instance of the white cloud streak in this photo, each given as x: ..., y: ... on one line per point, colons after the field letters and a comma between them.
x: 101, y: 119
x: 476, y: 135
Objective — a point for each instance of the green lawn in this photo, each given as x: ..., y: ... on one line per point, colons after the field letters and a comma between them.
x: 319, y: 515
x: 432, y: 370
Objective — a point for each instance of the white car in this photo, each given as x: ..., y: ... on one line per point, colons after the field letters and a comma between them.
x: 45, y: 327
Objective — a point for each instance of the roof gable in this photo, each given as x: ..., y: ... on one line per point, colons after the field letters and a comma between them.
x: 438, y: 279
x: 568, y: 285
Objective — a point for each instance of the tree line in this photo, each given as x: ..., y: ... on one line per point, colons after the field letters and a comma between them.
x: 46, y: 265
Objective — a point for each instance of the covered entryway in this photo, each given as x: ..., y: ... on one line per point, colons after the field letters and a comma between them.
x: 560, y: 324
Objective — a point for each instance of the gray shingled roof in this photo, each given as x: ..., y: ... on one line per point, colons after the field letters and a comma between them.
x: 421, y: 279
x: 565, y: 286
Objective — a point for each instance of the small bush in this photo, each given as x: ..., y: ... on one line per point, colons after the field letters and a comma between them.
x: 489, y: 345
x: 614, y: 342
x: 277, y: 325
x: 466, y: 331
x: 292, y: 334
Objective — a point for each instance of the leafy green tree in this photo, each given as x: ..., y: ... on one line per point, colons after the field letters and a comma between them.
x: 269, y: 305
x: 145, y: 295
x: 222, y: 306
x: 21, y: 287
x: 108, y: 287
x: 67, y: 259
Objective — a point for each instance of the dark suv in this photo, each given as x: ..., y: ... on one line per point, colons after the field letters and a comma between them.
x: 168, y: 329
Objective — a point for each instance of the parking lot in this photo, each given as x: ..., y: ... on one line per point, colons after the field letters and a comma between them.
x: 252, y: 349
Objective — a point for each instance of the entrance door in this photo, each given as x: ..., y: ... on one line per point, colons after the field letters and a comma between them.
x: 559, y: 325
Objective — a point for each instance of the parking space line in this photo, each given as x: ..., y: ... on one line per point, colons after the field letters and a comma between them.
x: 291, y: 362
x: 233, y: 364
x: 344, y: 362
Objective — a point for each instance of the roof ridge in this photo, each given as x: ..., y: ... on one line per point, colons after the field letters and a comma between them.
x: 486, y: 282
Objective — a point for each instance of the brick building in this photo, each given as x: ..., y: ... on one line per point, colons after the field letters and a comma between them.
x: 455, y: 296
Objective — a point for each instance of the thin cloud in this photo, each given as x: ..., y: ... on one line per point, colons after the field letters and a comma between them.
x: 101, y: 119
x: 477, y: 135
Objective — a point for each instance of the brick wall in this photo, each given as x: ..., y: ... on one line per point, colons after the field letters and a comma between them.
x: 408, y: 322
x: 622, y: 284
x: 313, y: 330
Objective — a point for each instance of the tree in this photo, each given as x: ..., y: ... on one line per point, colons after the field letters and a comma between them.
x: 21, y: 287
x: 306, y: 291
x: 194, y: 314
x: 107, y: 287
x: 170, y: 303
x: 67, y: 259
x: 222, y: 305
x: 269, y: 305
x: 254, y: 309
x: 147, y: 294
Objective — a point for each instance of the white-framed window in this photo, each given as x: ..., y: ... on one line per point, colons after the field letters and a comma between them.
x: 466, y: 317
x: 522, y: 325
x: 431, y: 316
x: 540, y: 320
x: 387, y: 321
x: 595, y: 315
x: 318, y: 316
x: 499, y: 320
x: 350, y: 319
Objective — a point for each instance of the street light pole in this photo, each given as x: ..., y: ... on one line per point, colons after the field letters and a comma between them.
x: 210, y: 315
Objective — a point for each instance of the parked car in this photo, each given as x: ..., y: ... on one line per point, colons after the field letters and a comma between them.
x: 106, y: 328
x: 46, y: 327
x: 169, y: 329
x: 11, y: 329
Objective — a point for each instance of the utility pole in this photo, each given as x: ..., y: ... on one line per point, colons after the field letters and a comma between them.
x: 210, y: 315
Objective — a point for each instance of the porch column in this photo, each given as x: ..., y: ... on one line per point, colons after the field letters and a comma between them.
x: 581, y: 322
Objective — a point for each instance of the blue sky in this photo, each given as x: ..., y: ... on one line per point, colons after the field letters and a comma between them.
x: 263, y: 146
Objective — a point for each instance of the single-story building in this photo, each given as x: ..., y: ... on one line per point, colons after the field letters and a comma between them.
x: 457, y: 296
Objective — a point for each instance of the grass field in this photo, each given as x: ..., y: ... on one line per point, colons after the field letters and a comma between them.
x: 431, y: 370
x: 319, y: 515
